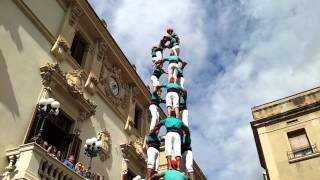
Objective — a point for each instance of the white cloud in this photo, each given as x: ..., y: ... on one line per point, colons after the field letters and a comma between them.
x: 246, y: 52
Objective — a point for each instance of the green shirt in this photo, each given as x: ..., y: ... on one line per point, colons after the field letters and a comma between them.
x: 172, y: 86
x: 173, y: 175
x: 156, y: 99
x: 172, y: 122
x: 173, y: 58
x: 153, y: 52
x: 174, y: 35
x: 153, y: 138
x: 186, y: 139
x: 158, y: 69
x: 162, y: 44
x: 173, y: 42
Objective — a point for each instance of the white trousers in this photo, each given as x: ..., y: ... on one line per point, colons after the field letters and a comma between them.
x: 153, y: 158
x: 176, y: 50
x: 154, y: 116
x: 172, y: 143
x: 181, y: 82
x: 173, y: 69
x: 158, y: 57
x: 185, y: 115
x: 155, y: 81
x: 172, y: 99
x: 187, y: 161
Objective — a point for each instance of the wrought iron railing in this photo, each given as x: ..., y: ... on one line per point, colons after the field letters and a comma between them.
x: 302, y: 152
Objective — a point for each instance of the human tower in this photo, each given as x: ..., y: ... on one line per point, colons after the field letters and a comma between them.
x: 177, y: 139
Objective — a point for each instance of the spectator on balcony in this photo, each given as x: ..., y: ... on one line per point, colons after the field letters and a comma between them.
x: 79, y: 169
x: 58, y: 155
x: 69, y: 162
x: 45, y: 145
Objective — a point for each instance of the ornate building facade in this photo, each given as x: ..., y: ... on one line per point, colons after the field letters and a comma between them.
x: 286, y: 133
x: 61, y: 49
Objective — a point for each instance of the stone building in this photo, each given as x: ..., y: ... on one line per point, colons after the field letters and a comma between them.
x: 61, y: 49
x: 286, y: 133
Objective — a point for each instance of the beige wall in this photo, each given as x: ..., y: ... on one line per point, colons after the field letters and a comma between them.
x: 275, y: 145
x: 22, y: 50
x: 51, y: 17
x: 105, y: 118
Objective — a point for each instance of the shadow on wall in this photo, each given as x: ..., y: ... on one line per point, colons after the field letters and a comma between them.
x: 10, y: 25
x: 7, y: 97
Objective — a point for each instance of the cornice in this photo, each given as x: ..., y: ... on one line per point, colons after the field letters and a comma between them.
x: 105, y: 34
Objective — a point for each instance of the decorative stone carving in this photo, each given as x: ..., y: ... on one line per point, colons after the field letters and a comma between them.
x: 112, y: 74
x: 47, y: 72
x: 11, y: 168
x: 105, y: 138
x: 129, y: 124
x: 53, y: 77
x: 76, y: 12
x: 60, y: 48
x: 91, y: 84
x: 124, y: 166
x: 102, y: 51
x: 137, y: 145
x: 74, y: 80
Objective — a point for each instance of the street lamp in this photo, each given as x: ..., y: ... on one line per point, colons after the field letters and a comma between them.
x: 47, y: 107
x: 91, y: 149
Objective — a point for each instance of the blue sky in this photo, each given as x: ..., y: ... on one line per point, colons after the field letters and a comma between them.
x: 241, y: 53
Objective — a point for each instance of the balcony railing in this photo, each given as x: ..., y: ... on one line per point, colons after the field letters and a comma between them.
x: 30, y: 161
x: 306, y: 151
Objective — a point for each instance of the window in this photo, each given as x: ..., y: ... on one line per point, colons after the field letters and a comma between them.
x: 299, y: 143
x: 56, y: 133
x: 78, y: 48
x: 137, y: 117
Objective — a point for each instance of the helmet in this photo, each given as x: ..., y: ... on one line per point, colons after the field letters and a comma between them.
x: 154, y: 46
x: 174, y: 164
x: 169, y: 30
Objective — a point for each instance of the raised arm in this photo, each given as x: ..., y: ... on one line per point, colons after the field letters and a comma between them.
x: 157, y: 127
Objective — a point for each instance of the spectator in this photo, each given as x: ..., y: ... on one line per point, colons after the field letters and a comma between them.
x: 45, y: 145
x: 79, y: 169
x: 49, y: 150
x: 69, y: 162
x: 58, y: 155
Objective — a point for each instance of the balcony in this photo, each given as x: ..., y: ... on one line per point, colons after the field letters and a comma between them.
x: 303, y: 154
x: 30, y: 161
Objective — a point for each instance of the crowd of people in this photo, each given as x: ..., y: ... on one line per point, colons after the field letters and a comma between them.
x: 177, y: 138
x: 78, y: 167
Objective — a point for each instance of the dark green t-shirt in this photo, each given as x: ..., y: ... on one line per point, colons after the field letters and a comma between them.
x: 153, y: 138
x: 173, y: 175
x: 172, y: 122
x: 172, y: 86
x: 186, y: 139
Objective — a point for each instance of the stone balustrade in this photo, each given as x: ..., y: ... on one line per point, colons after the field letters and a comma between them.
x: 30, y: 161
